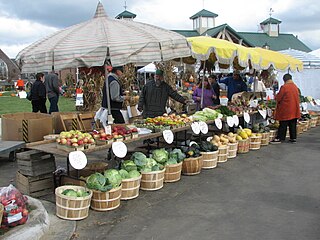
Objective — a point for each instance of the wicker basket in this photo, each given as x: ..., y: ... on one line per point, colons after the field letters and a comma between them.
x: 152, y: 181
x: 273, y: 134
x: 130, y: 188
x: 210, y: 159
x: 1, y: 212
x: 243, y: 145
x: 313, y: 121
x: 173, y: 172
x: 299, y: 128
x: 304, y: 125
x: 106, y: 201
x: 223, y: 153
x: 192, y: 166
x: 72, y: 208
x: 265, y: 139
x: 255, y: 143
x: 232, y: 151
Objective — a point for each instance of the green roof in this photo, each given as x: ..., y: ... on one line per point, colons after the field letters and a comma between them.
x: 213, y: 32
x: 271, y: 20
x: 126, y: 14
x: 187, y: 33
x: 204, y: 13
x: 282, y: 42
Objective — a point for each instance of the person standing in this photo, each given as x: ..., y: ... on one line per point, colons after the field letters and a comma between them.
x: 38, y: 94
x: 53, y: 91
x: 208, y: 95
x: 235, y: 84
x: 154, y: 96
x: 20, y: 84
x: 287, y: 110
x: 216, y: 88
x: 115, y: 94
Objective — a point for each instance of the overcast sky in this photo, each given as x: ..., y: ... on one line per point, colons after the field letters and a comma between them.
x: 23, y: 22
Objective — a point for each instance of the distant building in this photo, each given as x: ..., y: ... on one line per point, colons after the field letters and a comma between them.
x: 270, y: 37
x: 8, y: 68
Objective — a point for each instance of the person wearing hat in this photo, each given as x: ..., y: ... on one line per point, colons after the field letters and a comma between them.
x: 287, y: 110
x: 154, y: 96
x: 115, y: 94
x: 235, y: 84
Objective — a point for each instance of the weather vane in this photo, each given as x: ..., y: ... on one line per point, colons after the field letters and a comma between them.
x: 125, y: 5
x: 203, y: 4
x: 270, y: 12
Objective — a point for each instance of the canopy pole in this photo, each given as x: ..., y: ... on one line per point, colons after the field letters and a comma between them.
x: 203, y: 77
x: 107, y: 89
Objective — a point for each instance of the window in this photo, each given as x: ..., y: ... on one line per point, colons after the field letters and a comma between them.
x: 274, y: 27
x: 204, y: 22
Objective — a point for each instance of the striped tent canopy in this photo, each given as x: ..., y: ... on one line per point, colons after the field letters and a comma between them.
x: 307, y: 58
x: 93, y: 42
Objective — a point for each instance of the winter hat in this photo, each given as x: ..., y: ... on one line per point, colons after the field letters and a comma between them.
x: 159, y: 72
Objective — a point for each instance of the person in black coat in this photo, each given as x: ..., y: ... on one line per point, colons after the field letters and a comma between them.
x: 154, y: 97
x: 216, y: 88
x: 38, y: 94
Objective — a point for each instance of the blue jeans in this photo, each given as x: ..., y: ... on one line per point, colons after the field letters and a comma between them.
x: 53, y: 104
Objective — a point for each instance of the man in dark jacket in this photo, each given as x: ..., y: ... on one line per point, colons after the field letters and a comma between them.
x: 52, y: 86
x: 115, y: 94
x: 154, y: 97
x: 235, y: 84
x: 38, y: 94
x: 215, y: 87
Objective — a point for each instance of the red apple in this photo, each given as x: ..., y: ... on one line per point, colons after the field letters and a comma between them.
x: 103, y: 134
x: 91, y: 140
x: 63, y: 141
x: 75, y: 144
x: 86, y: 140
x: 80, y: 142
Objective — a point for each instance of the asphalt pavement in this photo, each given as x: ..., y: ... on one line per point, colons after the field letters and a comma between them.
x: 269, y: 194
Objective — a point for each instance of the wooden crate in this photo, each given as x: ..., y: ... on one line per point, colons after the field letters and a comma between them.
x: 35, y: 163
x: 35, y: 186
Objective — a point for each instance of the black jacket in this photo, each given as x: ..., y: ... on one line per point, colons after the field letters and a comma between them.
x: 153, y: 99
x: 38, y: 91
x: 216, y: 89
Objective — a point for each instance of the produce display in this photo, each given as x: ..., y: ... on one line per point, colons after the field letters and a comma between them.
x: 192, y: 151
x: 145, y: 164
x: 75, y: 139
x: 104, y: 182
x: 260, y: 128
x: 224, y: 139
x: 119, y: 133
x: 75, y: 193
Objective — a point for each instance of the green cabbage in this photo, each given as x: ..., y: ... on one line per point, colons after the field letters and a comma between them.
x: 128, y: 165
x: 98, y: 182
x: 124, y: 174
x: 113, y: 177
x: 160, y: 155
x: 139, y: 159
x: 133, y: 174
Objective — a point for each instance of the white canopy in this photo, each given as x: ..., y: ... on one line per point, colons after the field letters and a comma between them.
x: 309, y: 60
x: 316, y: 53
x: 150, y: 68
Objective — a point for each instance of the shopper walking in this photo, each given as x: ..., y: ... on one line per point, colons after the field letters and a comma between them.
x: 38, y: 94
x: 53, y: 91
x: 287, y: 110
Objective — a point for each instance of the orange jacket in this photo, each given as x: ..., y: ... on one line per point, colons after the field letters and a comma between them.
x: 20, y: 83
x: 288, y: 103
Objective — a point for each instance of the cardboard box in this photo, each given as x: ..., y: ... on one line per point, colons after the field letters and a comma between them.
x: 28, y: 127
x: 57, y: 124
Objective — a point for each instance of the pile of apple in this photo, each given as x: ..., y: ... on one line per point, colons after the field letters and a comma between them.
x: 75, y: 138
x: 118, y: 133
x: 101, y: 135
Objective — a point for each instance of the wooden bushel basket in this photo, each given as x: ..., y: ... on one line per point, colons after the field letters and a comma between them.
x: 72, y: 208
x: 210, y: 159
x: 152, y: 181
x: 243, y: 145
x: 1, y: 212
x: 318, y: 120
x: 255, y: 143
x: 309, y: 123
x: 130, y: 188
x: 273, y: 134
x: 173, y: 172
x: 304, y: 125
x: 106, y: 201
x: 223, y: 153
x: 314, y: 122
x: 192, y: 166
x: 299, y: 128
x: 232, y: 151
x: 265, y: 139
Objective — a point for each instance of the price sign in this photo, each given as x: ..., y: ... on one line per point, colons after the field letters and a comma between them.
x: 220, y: 115
x: 195, y: 127
x: 119, y: 149
x: 263, y: 113
x: 192, y: 142
x: 269, y: 112
x: 78, y: 159
x: 203, y: 127
x: 246, y: 117
x: 218, y: 123
x: 230, y: 121
x: 108, y: 129
x: 235, y: 120
x: 168, y: 136
x: 209, y: 139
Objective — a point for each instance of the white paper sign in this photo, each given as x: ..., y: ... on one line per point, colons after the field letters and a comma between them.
x: 203, y: 127
x: 218, y: 123
x: 79, y: 99
x: 220, y: 115
x: 263, y: 113
x: 246, y: 117
x: 209, y: 139
x: 119, y: 149
x: 168, y: 136
x: 195, y: 127
x: 108, y: 129
x: 269, y: 112
x: 22, y: 94
x: 230, y: 121
x: 78, y: 159
x: 235, y: 120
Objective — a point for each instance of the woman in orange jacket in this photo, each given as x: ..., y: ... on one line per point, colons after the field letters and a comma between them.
x: 287, y: 110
